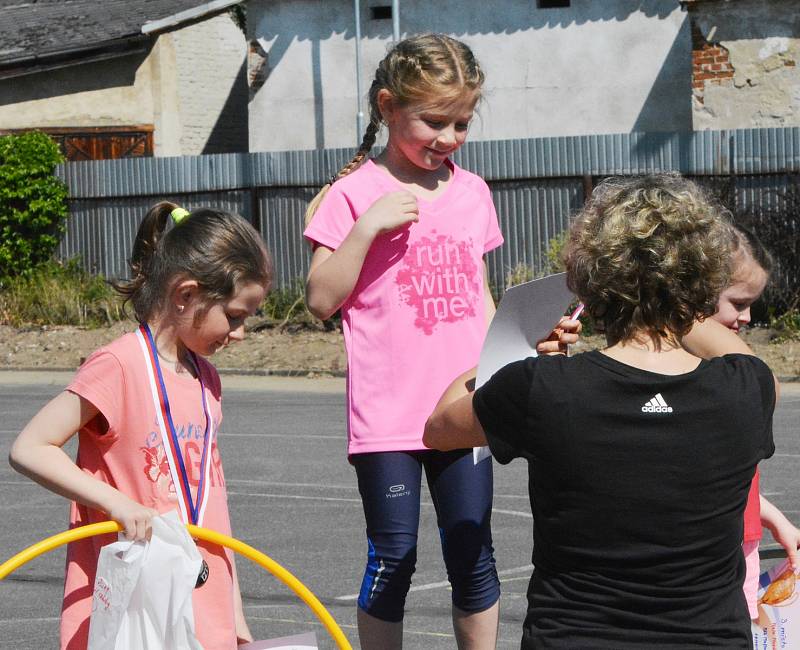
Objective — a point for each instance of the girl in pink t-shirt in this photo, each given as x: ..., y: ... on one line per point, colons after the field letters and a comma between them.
x: 753, y: 265
x: 399, y: 241
x: 147, y: 410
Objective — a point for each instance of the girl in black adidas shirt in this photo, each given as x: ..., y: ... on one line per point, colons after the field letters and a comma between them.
x: 640, y: 455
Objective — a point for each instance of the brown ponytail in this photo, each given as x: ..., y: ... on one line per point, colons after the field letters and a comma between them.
x: 217, y: 249
x: 138, y: 291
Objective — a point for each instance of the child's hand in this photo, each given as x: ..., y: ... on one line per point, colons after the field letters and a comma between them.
x: 566, y: 333
x: 783, y: 531
x: 390, y: 212
x: 788, y: 536
x: 136, y: 519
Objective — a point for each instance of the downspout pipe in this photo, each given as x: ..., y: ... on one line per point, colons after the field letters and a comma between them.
x: 359, y: 112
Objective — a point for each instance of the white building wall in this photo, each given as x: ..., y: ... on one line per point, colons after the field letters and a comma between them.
x: 615, y: 66
x: 209, y: 56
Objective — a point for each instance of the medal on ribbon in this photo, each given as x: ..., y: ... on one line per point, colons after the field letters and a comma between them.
x: 192, y: 509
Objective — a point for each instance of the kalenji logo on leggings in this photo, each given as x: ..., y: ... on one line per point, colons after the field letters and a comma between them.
x: 398, y: 490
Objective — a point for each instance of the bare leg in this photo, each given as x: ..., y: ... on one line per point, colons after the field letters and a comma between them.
x: 476, y: 630
x: 375, y: 634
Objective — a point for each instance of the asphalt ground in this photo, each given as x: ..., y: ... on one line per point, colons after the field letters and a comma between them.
x: 294, y: 496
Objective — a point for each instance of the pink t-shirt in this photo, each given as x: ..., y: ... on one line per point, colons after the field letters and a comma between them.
x: 130, y: 456
x: 416, y: 318
x: 752, y: 512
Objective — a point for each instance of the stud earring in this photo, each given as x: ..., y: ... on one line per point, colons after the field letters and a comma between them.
x: 180, y: 309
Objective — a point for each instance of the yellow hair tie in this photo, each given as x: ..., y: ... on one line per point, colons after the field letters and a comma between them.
x: 179, y: 215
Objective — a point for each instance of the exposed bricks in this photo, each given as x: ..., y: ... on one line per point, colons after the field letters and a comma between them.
x: 710, y: 63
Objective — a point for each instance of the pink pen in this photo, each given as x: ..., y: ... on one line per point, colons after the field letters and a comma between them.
x: 577, y: 312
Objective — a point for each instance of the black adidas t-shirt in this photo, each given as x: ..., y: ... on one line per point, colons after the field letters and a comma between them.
x: 638, y: 483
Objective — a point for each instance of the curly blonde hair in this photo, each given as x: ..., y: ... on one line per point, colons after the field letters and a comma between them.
x: 648, y: 256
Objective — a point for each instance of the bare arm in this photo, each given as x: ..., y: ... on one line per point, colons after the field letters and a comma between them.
x: 333, y: 274
x: 37, y: 453
x: 708, y: 339
x: 453, y: 423
x: 783, y: 530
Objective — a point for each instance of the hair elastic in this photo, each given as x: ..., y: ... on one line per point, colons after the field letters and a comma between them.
x: 179, y: 215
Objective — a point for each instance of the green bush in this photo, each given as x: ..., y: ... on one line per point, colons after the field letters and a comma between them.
x: 286, y: 306
x: 555, y: 252
x: 286, y: 303
x: 33, y: 202
x: 786, y: 326
x: 59, y: 294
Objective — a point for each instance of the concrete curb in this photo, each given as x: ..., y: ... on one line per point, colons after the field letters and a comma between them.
x: 245, y: 372
x: 286, y: 381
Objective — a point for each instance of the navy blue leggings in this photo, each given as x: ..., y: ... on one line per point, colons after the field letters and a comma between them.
x: 389, y: 483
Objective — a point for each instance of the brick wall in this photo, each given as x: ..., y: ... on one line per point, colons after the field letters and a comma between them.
x: 212, y: 87
x: 710, y: 64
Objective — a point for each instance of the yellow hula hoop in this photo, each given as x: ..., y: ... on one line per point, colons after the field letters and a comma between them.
x: 300, y: 590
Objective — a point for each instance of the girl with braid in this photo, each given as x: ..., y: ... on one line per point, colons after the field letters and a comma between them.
x: 398, y: 242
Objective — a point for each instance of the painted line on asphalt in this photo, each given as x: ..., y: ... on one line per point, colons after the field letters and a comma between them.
x: 15, y: 621
x: 39, y: 506
x: 241, y: 481
x: 307, y: 436
x: 316, y: 485
x: 513, y: 513
x: 444, y: 583
x: 343, y: 626
x: 291, y: 496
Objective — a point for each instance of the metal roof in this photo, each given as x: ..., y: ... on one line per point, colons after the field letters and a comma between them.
x: 37, y: 31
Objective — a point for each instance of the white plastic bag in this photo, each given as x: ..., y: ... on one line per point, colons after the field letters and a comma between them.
x: 143, y: 591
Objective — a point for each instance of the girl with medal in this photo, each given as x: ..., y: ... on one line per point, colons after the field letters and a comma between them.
x: 147, y: 411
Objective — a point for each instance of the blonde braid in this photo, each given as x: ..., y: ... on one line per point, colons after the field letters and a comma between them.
x: 361, y: 155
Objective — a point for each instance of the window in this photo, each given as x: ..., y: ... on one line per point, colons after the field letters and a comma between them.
x: 381, y: 12
x: 552, y: 4
x: 101, y: 142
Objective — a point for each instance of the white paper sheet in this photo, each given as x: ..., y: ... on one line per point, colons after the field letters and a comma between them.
x: 526, y: 314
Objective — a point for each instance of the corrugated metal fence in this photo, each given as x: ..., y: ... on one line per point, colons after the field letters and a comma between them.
x: 537, y: 184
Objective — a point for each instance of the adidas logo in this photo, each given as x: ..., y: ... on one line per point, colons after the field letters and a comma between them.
x: 657, y: 405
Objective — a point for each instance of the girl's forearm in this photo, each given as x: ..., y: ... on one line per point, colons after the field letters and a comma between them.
x: 333, y: 280
x: 771, y: 517
x: 453, y: 423
x: 708, y: 339
x: 53, y: 469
